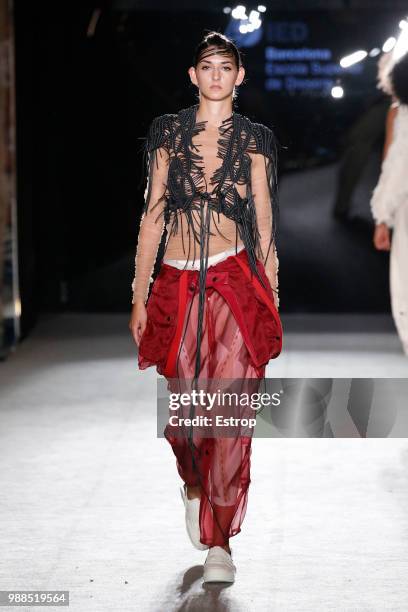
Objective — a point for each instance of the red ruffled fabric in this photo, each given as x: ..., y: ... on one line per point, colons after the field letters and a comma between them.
x: 240, y: 335
x: 261, y: 329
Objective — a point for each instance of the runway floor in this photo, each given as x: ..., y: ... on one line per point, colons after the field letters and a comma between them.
x: 89, y: 495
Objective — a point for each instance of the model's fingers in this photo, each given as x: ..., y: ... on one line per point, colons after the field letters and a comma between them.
x: 138, y: 336
x: 141, y: 329
x: 385, y: 242
x: 135, y: 333
x: 382, y: 242
x: 139, y: 332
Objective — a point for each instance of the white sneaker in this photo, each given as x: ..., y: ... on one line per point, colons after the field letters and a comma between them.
x: 192, y: 516
x: 218, y: 566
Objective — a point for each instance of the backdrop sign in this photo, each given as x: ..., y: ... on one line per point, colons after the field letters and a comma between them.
x: 292, y: 64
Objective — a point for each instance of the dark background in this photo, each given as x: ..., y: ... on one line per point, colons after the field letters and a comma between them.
x: 84, y: 103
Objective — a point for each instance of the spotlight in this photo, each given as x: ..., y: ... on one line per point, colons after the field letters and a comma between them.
x: 239, y: 12
x: 254, y: 20
x: 401, y: 46
x: 389, y: 44
x: 354, y: 58
x: 337, y: 91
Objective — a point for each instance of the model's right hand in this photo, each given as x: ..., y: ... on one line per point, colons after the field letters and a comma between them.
x: 381, y: 239
x: 138, y: 320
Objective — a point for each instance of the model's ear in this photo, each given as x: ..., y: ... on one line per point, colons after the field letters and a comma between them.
x: 241, y: 76
x: 192, y: 73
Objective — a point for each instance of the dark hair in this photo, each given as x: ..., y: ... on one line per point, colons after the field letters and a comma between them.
x: 223, y: 44
x: 399, y: 79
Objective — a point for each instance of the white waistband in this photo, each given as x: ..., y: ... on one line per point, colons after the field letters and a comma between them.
x: 195, y: 265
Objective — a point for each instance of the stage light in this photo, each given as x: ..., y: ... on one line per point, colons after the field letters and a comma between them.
x: 389, y: 44
x: 248, y: 24
x: 239, y: 12
x: 374, y: 52
x: 353, y: 58
x: 337, y: 91
x: 254, y: 20
x: 401, y: 46
x: 226, y: 10
x: 261, y: 8
x: 403, y: 24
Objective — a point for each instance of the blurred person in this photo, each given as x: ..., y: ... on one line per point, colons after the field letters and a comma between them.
x: 212, y: 312
x: 389, y: 202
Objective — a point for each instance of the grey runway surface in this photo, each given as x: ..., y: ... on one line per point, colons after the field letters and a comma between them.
x: 89, y: 495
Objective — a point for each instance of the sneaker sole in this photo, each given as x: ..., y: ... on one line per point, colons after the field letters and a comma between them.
x: 217, y: 574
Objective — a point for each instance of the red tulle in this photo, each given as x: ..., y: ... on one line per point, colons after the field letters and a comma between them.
x: 222, y: 465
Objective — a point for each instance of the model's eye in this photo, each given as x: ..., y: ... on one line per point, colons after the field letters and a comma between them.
x: 227, y: 67
x: 204, y: 68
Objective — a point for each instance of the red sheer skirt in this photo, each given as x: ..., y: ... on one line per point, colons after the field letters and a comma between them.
x: 221, y: 465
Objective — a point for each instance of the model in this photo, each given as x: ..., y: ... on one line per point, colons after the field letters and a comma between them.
x: 212, y: 314
x: 389, y: 203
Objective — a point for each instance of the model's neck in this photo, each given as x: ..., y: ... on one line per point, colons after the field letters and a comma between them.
x: 214, y: 112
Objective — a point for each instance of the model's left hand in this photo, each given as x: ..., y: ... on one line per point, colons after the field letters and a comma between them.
x: 381, y: 238
x: 138, y: 320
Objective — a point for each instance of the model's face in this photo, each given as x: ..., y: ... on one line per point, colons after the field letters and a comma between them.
x: 216, y: 76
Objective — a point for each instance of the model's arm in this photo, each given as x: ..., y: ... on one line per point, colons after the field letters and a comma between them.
x: 151, y: 225
x: 389, y: 127
x: 383, y: 219
x: 261, y: 189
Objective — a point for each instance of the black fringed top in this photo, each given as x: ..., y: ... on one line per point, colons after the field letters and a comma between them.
x: 206, y: 206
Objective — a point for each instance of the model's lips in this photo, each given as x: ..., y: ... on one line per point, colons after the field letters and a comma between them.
x: 215, y: 86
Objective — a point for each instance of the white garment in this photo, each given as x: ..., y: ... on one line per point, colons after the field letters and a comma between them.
x: 195, y: 265
x: 389, y: 204
x: 399, y: 274
x: 392, y: 187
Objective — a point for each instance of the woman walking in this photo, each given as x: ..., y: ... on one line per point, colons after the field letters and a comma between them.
x: 212, y: 312
x: 389, y: 203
